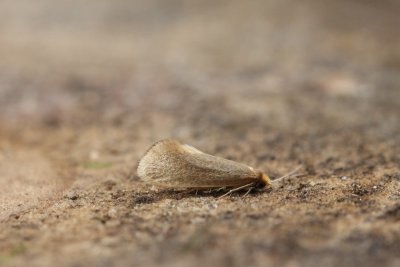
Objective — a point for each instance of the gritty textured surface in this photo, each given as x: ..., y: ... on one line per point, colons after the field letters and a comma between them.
x: 87, y: 87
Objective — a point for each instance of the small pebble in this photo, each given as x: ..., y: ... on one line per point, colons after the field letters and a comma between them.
x: 14, y: 216
x: 73, y: 195
x: 109, y: 184
x: 112, y: 213
x: 344, y: 177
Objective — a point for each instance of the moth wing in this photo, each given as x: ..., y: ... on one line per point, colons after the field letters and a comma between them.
x: 171, y: 164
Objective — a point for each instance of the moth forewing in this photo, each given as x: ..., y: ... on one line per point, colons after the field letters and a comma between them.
x: 169, y: 163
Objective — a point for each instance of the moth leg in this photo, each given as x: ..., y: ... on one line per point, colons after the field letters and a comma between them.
x: 248, y: 191
x: 235, y: 189
x: 191, y: 191
x: 215, y: 190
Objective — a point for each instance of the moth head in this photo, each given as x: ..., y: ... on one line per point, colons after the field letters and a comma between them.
x: 264, y: 180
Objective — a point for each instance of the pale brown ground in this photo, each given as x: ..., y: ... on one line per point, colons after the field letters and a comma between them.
x: 87, y: 86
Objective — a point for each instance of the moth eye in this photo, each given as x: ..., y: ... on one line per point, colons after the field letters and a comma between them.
x: 260, y: 184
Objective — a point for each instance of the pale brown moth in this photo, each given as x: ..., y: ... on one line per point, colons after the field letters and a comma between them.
x: 168, y: 163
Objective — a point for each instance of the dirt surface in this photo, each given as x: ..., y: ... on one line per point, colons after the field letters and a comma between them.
x: 87, y: 86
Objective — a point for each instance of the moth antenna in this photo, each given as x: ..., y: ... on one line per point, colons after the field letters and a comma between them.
x: 287, y: 175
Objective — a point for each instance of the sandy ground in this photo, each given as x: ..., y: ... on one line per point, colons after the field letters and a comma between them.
x: 87, y: 86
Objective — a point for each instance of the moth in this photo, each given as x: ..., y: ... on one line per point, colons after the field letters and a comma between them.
x: 168, y: 163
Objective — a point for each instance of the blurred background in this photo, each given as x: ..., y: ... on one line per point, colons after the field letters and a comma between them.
x: 64, y: 61
x: 87, y: 86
